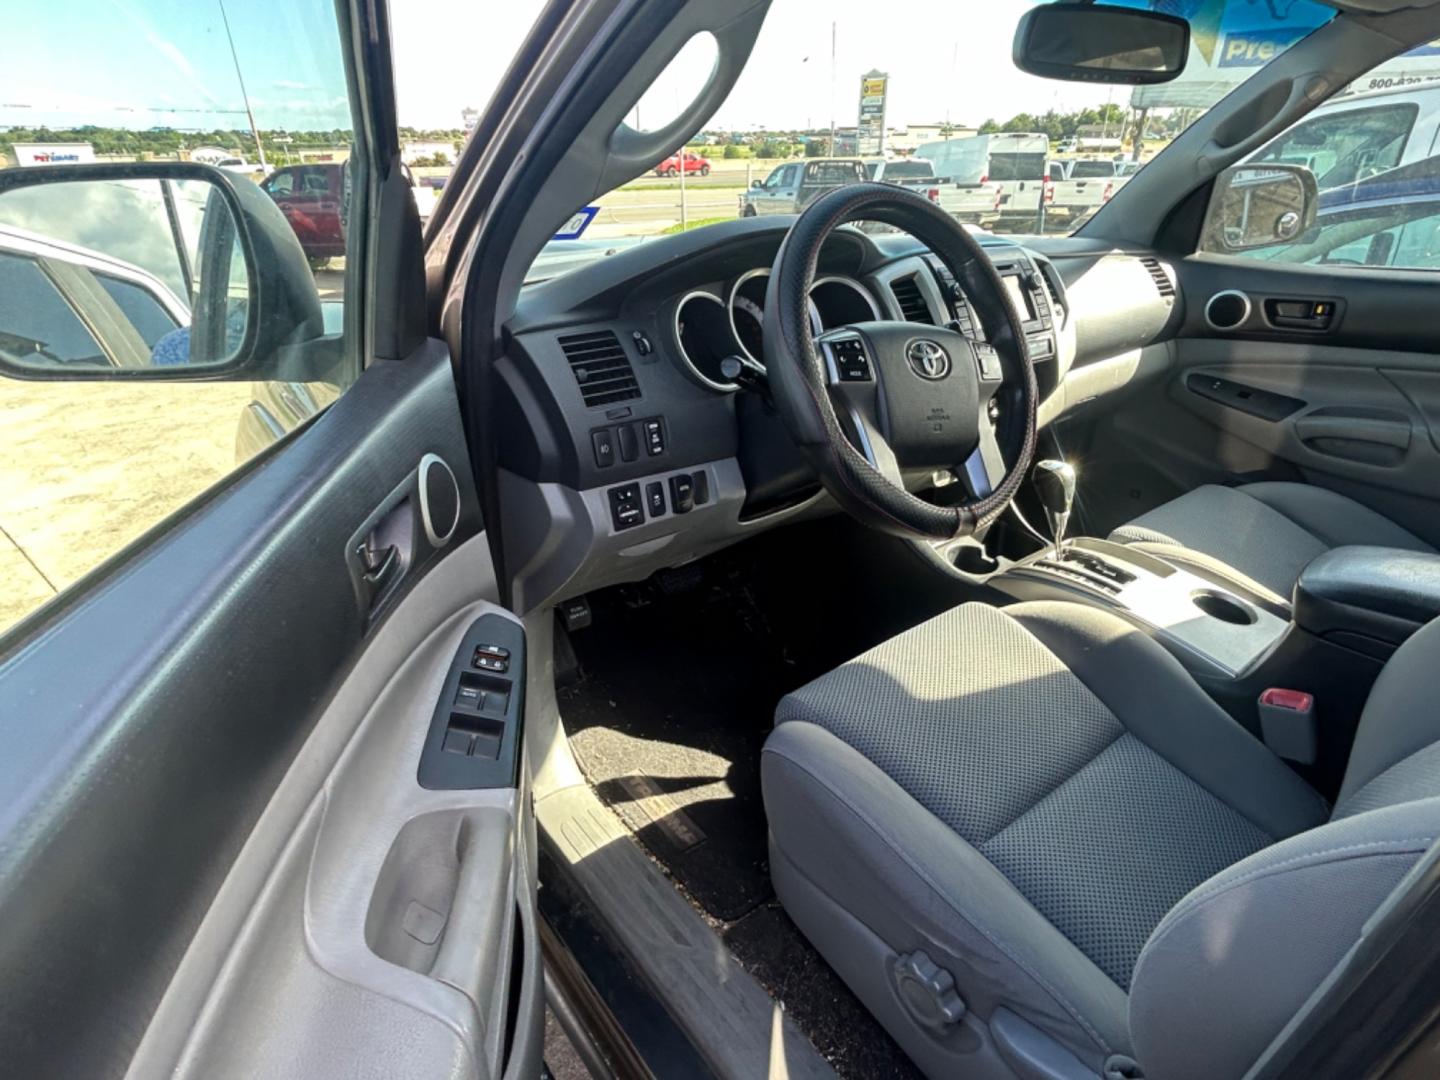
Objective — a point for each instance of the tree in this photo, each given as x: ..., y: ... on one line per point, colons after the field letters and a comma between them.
x: 818, y: 147
x: 989, y: 127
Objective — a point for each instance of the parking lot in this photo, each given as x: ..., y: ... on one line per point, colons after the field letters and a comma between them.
x: 88, y: 467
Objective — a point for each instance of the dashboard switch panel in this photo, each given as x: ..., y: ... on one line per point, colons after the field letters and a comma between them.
x: 625, y: 509
x: 474, y: 736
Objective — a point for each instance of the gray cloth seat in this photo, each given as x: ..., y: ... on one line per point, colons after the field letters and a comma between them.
x: 1266, y: 532
x: 1035, y: 817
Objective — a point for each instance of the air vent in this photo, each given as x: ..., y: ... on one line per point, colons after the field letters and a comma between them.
x: 911, y: 300
x: 601, y: 367
x: 1163, y: 285
x: 1047, y: 275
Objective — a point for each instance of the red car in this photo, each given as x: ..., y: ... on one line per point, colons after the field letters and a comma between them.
x: 311, y: 197
x: 694, y: 163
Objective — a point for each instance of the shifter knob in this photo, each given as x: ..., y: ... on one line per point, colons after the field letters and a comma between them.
x: 1055, y: 484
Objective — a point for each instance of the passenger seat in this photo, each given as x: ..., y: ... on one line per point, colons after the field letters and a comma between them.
x: 1267, y: 533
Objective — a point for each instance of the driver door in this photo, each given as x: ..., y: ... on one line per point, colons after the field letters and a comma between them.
x: 262, y: 798
x: 778, y: 195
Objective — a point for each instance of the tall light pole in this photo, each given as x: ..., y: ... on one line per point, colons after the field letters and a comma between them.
x: 243, y: 95
x: 833, y: 151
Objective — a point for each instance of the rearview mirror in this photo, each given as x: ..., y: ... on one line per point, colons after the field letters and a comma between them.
x: 1082, y: 42
x: 147, y: 271
x: 1255, y: 206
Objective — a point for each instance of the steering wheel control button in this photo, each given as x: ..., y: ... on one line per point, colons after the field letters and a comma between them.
x: 851, y: 363
x: 629, y: 444
x: 682, y: 493
x: 928, y: 359
x: 625, y: 509
x: 604, y: 445
x: 654, y: 437
x: 988, y: 361
x: 655, y: 498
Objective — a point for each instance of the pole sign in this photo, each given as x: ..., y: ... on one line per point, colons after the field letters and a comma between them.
x: 870, y: 131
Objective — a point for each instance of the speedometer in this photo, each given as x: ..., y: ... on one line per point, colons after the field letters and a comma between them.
x: 749, y: 326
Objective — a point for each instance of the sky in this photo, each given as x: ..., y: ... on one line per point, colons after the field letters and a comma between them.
x: 142, y: 63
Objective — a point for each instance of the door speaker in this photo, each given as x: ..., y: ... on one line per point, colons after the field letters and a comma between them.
x: 439, y: 500
x: 1227, y: 309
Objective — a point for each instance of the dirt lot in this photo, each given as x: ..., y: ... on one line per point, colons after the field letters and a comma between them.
x: 87, y: 467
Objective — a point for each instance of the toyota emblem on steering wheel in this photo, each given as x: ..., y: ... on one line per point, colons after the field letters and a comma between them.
x: 928, y: 359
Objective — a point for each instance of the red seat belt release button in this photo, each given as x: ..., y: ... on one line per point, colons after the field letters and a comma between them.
x: 1287, y: 722
x: 1298, y: 700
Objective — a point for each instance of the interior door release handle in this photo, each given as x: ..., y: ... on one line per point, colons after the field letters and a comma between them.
x: 378, y: 563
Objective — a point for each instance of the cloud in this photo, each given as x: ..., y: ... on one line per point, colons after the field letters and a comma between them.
x: 291, y: 84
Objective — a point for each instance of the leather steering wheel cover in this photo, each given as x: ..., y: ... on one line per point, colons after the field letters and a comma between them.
x: 797, y: 375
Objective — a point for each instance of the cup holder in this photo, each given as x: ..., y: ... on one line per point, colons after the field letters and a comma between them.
x: 973, y: 559
x: 1225, y: 608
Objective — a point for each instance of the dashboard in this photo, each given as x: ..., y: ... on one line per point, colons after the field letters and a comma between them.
x: 620, y: 431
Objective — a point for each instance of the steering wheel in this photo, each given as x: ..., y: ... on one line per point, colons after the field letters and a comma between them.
x: 871, y: 401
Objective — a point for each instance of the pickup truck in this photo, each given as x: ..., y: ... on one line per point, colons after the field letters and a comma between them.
x: 1078, y: 187
x: 971, y: 203
x: 791, y: 187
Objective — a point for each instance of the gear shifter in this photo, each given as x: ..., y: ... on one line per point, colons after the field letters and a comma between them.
x: 1055, y: 483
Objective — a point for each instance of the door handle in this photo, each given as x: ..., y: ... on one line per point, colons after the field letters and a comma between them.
x: 1367, y: 429
x: 379, y: 564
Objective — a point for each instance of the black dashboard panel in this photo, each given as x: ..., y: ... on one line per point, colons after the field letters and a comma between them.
x: 599, y: 393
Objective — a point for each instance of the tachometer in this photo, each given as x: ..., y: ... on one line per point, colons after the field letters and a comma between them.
x: 749, y: 326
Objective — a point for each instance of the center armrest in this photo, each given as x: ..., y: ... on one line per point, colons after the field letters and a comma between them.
x: 1368, y: 598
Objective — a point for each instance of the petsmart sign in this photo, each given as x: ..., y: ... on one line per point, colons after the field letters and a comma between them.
x: 29, y: 154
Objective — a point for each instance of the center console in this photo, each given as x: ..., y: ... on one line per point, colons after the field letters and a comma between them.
x: 1212, y: 630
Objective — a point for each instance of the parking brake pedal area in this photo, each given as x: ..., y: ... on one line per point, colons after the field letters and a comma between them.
x: 474, y: 735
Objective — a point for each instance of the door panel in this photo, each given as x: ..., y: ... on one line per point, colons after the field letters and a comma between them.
x: 384, y: 920
x: 1353, y: 404
x: 149, y: 724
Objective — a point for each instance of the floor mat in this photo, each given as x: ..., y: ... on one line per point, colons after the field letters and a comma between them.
x: 676, y: 693
x: 670, y: 738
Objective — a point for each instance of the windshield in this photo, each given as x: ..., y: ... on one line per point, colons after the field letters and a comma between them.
x: 929, y: 90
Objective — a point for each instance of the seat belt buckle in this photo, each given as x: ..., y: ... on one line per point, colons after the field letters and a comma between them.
x: 1288, y: 724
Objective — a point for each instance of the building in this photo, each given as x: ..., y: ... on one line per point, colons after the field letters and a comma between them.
x: 905, y: 140
x: 426, y: 148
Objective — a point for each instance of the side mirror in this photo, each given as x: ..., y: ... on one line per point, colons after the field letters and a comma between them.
x: 160, y: 271
x: 756, y: 184
x: 1103, y: 43
x: 1255, y: 206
